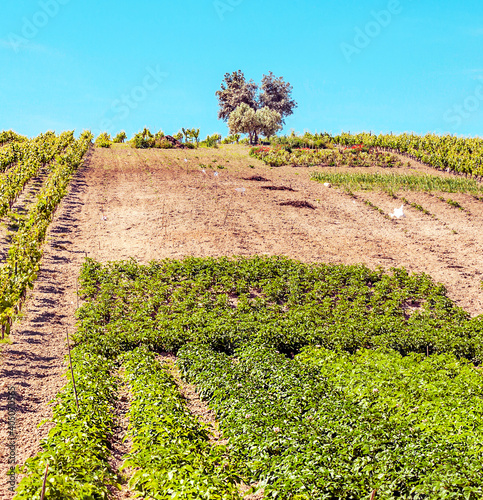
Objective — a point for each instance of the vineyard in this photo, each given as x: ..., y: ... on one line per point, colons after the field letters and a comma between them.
x: 249, y: 322
x: 458, y: 155
x: 61, y: 155
x: 330, y: 157
x: 450, y: 153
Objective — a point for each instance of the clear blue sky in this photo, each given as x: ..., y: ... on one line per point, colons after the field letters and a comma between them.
x: 380, y: 65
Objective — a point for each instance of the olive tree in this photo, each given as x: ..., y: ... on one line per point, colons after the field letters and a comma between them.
x: 246, y: 120
x: 269, y: 121
x: 235, y: 90
x: 274, y: 94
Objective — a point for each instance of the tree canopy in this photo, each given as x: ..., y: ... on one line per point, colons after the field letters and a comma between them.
x: 246, y: 120
x: 235, y: 90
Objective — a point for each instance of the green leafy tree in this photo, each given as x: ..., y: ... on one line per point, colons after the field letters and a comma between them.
x: 235, y: 90
x: 274, y: 94
x: 269, y: 121
x: 246, y: 120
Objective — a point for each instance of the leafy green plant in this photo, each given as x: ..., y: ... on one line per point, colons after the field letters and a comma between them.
x: 120, y: 138
x: 103, y: 140
x: 9, y: 136
x: 77, y: 448
x: 418, y: 207
x: 171, y: 453
x: 226, y: 303
x: 446, y: 152
x: 143, y: 140
x: 231, y: 139
x: 287, y: 155
x: 328, y: 381
x: 329, y: 424
x: 399, y: 182
x: 454, y: 204
x: 211, y: 141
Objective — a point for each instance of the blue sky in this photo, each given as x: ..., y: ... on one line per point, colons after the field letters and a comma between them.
x: 380, y: 65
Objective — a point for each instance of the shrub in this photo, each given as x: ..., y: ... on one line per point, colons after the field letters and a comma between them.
x: 211, y: 141
x: 120, y: 138
x: 164, y: 144
x: 103, y: 140
x: 143, y: 140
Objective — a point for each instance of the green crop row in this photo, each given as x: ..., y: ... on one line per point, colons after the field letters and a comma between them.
x: 171, y: 456
x: 399, y: 182
x: 277, y: 157
x: 32, y: 156
x: 8, y: 136
x: 330, y: 425
x: 462, y: 155
x: 19, y: 272
x: 171, y: 453
x: 226, y: 303
x: 77, y: 449
x: 344, y: 408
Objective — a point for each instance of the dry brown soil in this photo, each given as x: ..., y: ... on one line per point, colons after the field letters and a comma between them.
x: 153, y: 204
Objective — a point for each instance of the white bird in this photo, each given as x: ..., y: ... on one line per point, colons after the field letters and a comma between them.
x: 216, y: 174
x: 240, y: 190
x: 203, y: 170
x: 398, y: 213
x: 186, y: 161
x: 327, y: 184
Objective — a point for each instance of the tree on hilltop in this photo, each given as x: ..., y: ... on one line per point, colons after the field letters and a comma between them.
x: 246, y: 120
x: 238, y: 94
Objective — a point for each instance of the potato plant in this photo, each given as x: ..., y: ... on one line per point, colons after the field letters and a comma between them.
x: 77, y: 449
x: 328, y: 382
x: 329, y: 424
x: 171, y: 454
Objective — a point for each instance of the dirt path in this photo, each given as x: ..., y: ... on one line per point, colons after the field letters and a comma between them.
x: 153, y: 205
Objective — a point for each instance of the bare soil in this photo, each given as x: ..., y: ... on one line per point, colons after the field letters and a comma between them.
x: 152, y: 204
